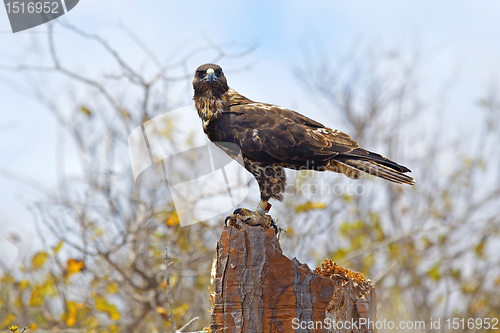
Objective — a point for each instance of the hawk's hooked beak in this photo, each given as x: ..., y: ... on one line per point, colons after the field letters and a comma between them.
x: 211, y: 75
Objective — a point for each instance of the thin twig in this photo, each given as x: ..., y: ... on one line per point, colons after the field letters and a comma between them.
x: 169, y: 292
x: 187, y: 324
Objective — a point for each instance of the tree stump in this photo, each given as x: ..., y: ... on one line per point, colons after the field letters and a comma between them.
x: 258, y: 289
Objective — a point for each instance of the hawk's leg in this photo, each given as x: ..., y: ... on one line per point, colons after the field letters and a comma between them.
x: 271, y: 179
x: 264, y: 207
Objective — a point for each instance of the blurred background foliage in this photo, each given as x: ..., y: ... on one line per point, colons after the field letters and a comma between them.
x: 431, y: 250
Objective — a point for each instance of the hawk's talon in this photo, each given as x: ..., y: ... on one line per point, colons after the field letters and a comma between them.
x: 274, y: 226
x: 254, y: 218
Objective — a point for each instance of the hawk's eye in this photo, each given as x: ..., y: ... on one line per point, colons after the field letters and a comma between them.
x: 200, y: 73
x: 218, y: 72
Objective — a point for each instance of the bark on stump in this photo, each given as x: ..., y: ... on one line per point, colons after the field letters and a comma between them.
x: 258, y: 289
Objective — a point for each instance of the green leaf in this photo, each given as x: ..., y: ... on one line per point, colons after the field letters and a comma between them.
x: 434, y: 273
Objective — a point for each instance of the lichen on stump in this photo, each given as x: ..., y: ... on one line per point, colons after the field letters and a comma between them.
x: 258, y: 289
x: 353, y: 298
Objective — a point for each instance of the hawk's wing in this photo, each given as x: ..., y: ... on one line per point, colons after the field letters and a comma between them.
x: 268, y: 133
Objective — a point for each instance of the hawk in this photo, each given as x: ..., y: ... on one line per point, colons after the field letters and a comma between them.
x: 272, y: 138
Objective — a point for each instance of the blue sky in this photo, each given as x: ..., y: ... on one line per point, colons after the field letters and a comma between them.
x: 461, y: 37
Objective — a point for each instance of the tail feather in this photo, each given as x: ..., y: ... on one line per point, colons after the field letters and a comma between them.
x: 373, y: 164
x: 365, y: 155
x: 381, y: 171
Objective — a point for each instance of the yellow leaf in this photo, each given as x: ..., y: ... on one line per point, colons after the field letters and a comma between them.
x: 442, y: 238
x: 454, y: 274
x: 112, y: 288
x: 101, y: 304
x: 309, y: 206
x: 74, y: 266
x: 98, y: 232
x: 7, y: 279
x: 58, y: 246
x: 469, y: 288
x: 23, y: 284
x: 173, y: 280
x: 86, y: 111
x: 91, y: 323
x: 180, y: 310
x: 18, y: 302
x: 8, y: 319
x: 160, y: 310
x: 33, y: 326
x: 13, y: 328
x: 71, y: 316
x: 114, y: 328
x: 427, y: 242
x: 166, y: 128
x: 39, y: 291
x: 37, y: 296
x: 125, y: 115
x: 172, y: 220
x: 49, y: 286
x: 479, y: 248
x: 39, y: 259
x: 477, y: 306
x: 347, y: 198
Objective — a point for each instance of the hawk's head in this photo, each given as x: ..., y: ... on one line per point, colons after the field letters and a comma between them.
x: 210, y: 79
